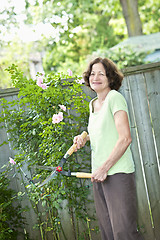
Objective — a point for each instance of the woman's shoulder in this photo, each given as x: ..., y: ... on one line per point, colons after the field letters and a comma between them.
x: 117, y: 101
x: 115, y: 95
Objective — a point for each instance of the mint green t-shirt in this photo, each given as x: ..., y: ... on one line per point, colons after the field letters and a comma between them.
x: 103, y: 134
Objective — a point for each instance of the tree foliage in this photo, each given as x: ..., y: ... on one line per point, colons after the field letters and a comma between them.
x: 150, y: 16
x: 85, y: 27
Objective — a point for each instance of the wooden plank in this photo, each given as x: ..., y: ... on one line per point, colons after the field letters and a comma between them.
x: 144, y: 219
x: 4, y: 150
x: 8, y: 92
x: 141, y: 68
x: 144, y: 127
x: 153, y: 92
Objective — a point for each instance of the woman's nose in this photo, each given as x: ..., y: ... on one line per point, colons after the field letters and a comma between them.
x: 95, y: 77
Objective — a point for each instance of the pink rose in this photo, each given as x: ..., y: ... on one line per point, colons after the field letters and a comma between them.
x: 62, y: 107
x: 69, y: 72
x: 12, y: 161
x: 80, y: 81
x: 60, y: 115
x: 43, y: 86
x: 57, y: 117
x: 39, y: 81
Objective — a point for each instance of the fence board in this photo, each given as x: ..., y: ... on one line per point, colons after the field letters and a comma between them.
x: 153, y: 89
x: 144, y: 219
x: 144, y: 127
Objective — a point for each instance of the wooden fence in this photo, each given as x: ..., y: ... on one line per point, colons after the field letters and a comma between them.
x: 141, y: 88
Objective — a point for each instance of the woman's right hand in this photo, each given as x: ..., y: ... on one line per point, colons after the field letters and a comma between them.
x: 79, y: 141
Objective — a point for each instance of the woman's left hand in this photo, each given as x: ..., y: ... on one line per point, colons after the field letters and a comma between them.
x: 99, y: 175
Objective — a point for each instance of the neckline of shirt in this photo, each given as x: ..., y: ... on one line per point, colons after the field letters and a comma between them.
x: 92, y: 108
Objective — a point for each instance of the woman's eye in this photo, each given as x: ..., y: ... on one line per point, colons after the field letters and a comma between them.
x: 99, y: 74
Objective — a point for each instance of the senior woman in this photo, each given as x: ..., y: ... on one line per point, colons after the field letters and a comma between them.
x: 112, y: 164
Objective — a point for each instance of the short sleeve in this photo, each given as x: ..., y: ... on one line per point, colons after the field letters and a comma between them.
x: 117, y: 103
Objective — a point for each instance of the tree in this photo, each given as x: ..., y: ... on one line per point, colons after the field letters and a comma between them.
x: 132, y: 17
x: 83, y: 27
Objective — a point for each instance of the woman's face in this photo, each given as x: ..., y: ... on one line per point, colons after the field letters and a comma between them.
x: 98, y: 79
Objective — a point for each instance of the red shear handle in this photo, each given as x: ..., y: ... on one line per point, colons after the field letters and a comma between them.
x: 73, y: 147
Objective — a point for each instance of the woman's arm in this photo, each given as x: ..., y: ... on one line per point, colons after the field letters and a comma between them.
x: 124, y: 140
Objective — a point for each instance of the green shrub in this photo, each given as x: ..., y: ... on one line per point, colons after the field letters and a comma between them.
x: 123, y: 56
x: 41, y: 124
x: 10, y: 214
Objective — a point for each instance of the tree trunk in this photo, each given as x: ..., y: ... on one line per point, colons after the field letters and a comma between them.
x: 132, y: 17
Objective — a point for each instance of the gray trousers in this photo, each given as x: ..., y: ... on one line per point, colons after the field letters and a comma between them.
x: 115, y: 202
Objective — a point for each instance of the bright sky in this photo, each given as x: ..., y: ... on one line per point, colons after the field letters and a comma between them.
x: 19, y: 5
x: 26, y: 33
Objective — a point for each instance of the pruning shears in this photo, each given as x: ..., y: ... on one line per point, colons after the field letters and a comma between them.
x: 59, y: 168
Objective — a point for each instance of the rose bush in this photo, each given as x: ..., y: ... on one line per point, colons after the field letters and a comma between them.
x: 41, y: 124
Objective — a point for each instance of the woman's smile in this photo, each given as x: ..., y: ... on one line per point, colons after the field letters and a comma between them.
x: 97, y: 83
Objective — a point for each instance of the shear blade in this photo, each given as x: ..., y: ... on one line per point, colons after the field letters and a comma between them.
x: 50, y: 177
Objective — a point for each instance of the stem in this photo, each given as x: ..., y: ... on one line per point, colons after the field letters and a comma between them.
x: 89, y: 231
x: 41, y: 230
x: 35, y: 209
x: 58, y: 235
x: 51, y: 217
